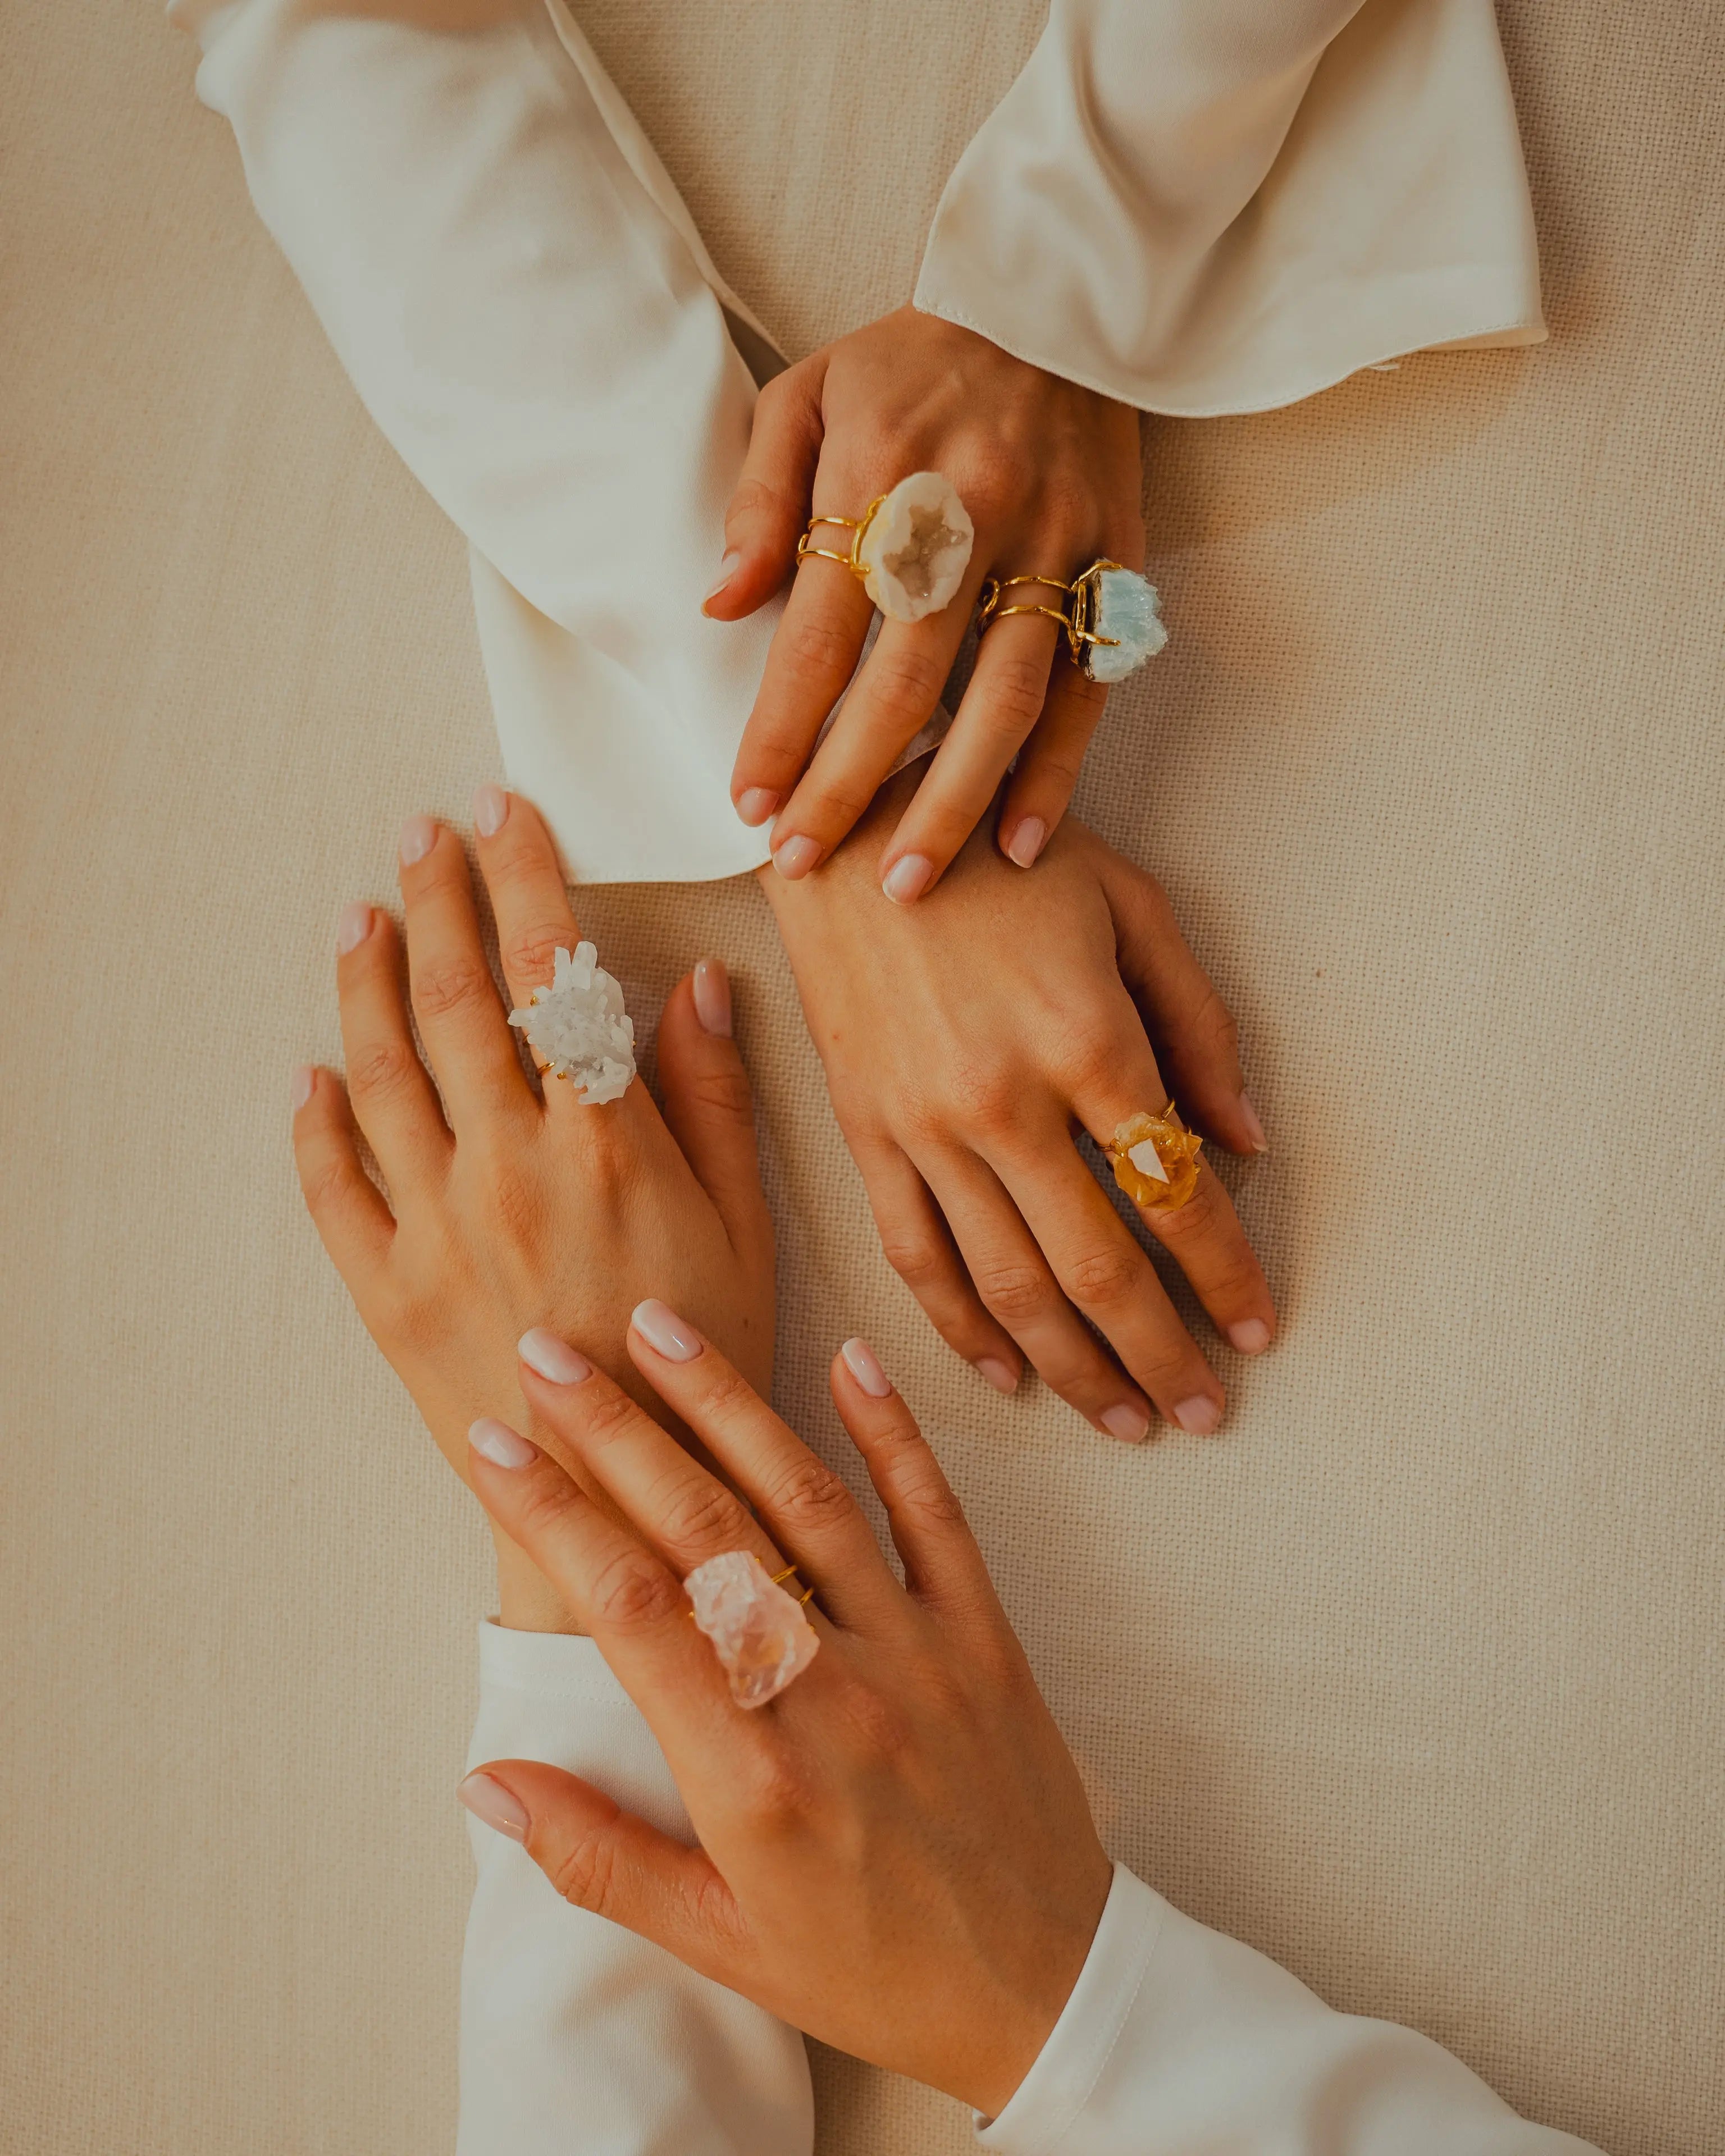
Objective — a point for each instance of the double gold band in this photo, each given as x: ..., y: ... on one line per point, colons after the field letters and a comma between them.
x: 857, y: 526
x: 1076, y: 621
x: 790, y: 1572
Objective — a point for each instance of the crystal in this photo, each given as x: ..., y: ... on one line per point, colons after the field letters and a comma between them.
x: 1126, y: 611
x: 578, y: 1028
x: 916, y: 547
x: 760, y: 1634
x: 1155, y: 1160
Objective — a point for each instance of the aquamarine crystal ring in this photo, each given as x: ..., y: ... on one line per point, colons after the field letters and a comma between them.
x: 1112, y: 624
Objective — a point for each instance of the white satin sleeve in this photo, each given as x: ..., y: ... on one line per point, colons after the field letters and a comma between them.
x: 1176, y: 2038
x: 577, y: 2037
x: 1202, y: 207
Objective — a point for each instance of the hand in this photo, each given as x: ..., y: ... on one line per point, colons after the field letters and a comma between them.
x: 1050, y: 473
x: 507, y: 1209
x: 963, y: 1039
x: 896, y: 1854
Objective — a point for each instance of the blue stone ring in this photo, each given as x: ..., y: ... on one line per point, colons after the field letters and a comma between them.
x: 1112, y: 624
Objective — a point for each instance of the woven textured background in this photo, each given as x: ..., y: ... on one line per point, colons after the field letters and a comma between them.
x: 1413, y: 1679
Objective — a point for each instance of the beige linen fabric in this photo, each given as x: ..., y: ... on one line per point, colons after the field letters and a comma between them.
x: 1412, y: 1678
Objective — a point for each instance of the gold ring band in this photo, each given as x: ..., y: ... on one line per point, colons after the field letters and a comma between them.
x: 857, y: 527
x: 1082, y: 593
x: 1155, y: 1160
x: 790, y: 1572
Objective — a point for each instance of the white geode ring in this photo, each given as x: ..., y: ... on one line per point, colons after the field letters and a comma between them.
x: 579, y: 1029
x: 911, y: 546
x: 1116, y: 624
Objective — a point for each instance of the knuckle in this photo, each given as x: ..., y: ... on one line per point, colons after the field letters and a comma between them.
x: 917, y: 1259
x: 821, y: 647
x: 515, y: 1203
x: 1017, y: 1293
x: 610, y: 1417
x: 721, y: 1092
x: 1216, y: 1024
x: 704, y: 1514
x: 1017, y: 683
x: 907, y: 681
x: 877, y: 1722
x: 809, y: 1495
x: 328, y: 1185
x: 1092, y: 1057
x: 984, y: 1097
x: 1099, y: 1279
x: 450, y: 986
x: 777, y: 1791
x: 529, y: 956
x: 585, y: 1870
x: 383, y: 1071
x: 632, y: 1593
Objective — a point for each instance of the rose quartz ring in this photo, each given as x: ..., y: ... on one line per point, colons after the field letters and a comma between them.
x: 761, y: 1634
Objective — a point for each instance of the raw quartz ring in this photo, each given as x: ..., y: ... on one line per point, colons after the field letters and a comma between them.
x: 761, y: 1634
x: 1114, y: 622
x: 579, y: 1029
x: 910, y: 546
x: 1155, y: 1160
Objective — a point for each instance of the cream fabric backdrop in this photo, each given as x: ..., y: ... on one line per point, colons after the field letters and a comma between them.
x: 1413, y: 1678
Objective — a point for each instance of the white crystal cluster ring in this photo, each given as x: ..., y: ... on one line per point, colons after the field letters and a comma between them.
x: 761, y: 1634
x: 1113, y: 623
x: 911, y: 546
x: 579, y: 1029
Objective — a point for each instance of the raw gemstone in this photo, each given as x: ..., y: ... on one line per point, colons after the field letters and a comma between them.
x: 760, y: 1634
x: 1127, y: 610
x: 1155, y: 1160
x: 578, y: 1028
x: 916, y: 547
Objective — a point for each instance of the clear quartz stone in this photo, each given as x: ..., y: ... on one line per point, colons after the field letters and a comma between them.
x: 578, y: 1028
x: 760, y: 1634
x: 1125, y: 610
x: 916, y: 547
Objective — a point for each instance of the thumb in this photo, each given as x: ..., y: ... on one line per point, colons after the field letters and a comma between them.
x: 1196, y: 1040
x: 770, y: 508
x: 604, y: 1859
x: 710, y: 1109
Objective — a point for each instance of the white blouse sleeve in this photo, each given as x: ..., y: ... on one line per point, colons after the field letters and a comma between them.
x: 1201, y: 206
x: 575, y: 2035
x: 1177, y: 2038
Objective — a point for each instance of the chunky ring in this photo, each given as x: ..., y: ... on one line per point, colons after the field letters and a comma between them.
x: 760, y: 1633
x: 910, y: 547
x: 1112, y: 625
x: 579, y: 1027
x: 1155, y: 1160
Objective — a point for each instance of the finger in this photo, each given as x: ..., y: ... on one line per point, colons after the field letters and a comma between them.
x: 605, y: 1860
x: 391, y: 1093
x: 943, y: 1567
x: 345, y: 1206
x: 461, y: 1021
x: 1196, y: 1042
x: 1018, y: 1285
x: 523, y: 882
x: 813, y: 656
x: 1104, y: 1274
x: 1001, y: 705
x: 813, y: 1517
x: 769, y: 509
x: 1040, y: 789
x: 919, y: 1247
x: 711, y: 1110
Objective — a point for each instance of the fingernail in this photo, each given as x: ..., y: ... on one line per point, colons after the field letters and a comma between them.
x: 756, y: 804
x: 500, y: 1444
x: 353, y: 927
x: 490, y: 809
x: 555, y: 1360
x: 305, y: 1078
x: 1028, y: 841
x: 1128, y: 1422
x: 727, y: 570
x: 1255, y: 1129
x: 662, y: 1329
x: 795, y: 858
x: 1251, y: 1336
x: 489, y: 1801
x: 860, y: 1360
x: 419, y: 835
x: 712, y: 998
x: 1000, y: 1375
x: 907, y: 879
x: 1200, y: 1414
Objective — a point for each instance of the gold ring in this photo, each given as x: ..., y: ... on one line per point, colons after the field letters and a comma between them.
x: 1107, y: 589
x: 1155, y: 1160
x: 857, y: 526
x: 790, y: 1572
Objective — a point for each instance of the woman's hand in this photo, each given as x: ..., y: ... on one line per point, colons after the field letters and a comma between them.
x: 896, y: 1854
x: 964, y: 1039
x: 1049, y: 474
x: 506, y: 1209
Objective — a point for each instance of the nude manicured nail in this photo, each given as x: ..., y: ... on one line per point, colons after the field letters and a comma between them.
x: 489, y: 1801
x: 555, y: 1360
x: 907, y: 879
x: 1200, y: 1414
x: 500, y: 1444
x: 305, y: 1078
x: 353, y: 927
x: 1251, y: 1336
x: 659, y: 1325
x: 712, y: 998
x: 1255, y: 1129
x: 1128, y: 1422
x: 727, y: 570
x: 756, y: 804
x: 796, y: 857
x: 1028, y: 841
x: 490, y: 811
x: 861, y: 1362
x: 419, y: 835
x: 1000, y: 1375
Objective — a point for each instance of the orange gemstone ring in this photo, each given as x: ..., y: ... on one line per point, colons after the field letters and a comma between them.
x: 1155, y: 1160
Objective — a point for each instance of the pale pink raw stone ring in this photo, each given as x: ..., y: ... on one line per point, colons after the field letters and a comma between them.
x: 760, y: 1634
